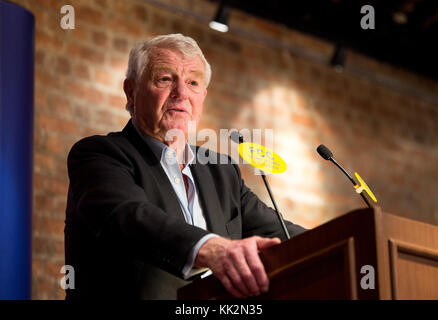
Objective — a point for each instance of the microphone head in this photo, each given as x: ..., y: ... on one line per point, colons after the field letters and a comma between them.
x: 236, y: 137
x: 324, y: 152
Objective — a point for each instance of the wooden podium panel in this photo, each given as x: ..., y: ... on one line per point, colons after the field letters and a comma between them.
x: 326, y: 262
x: 408, y: 256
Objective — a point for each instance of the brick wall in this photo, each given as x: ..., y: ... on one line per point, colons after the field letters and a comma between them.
x: 378, y: 120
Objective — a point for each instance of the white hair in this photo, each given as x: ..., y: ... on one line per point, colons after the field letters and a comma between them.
x: 139, y: 55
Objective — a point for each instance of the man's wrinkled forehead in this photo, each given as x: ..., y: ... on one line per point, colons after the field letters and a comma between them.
x: 157, y: 69
x: 169, y: 60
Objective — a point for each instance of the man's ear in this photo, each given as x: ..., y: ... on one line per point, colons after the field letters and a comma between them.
x: 128, y: 87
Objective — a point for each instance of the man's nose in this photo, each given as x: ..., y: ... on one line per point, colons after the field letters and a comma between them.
x: 179, y: 90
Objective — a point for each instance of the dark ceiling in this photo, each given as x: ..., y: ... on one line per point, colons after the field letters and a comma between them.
x: 405, y: 34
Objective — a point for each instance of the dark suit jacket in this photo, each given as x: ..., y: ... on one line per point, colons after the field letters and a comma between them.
x: 125, y: 233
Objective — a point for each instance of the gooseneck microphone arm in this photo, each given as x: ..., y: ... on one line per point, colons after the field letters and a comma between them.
x: 238, y: 138
x: 280, y: 218
x: 352, y: 181
x: 328, y: 155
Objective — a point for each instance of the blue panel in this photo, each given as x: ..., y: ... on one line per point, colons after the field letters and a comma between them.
x: 16, y: 150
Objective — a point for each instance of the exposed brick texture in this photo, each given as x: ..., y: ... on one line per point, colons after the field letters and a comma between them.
x: 380, y: 122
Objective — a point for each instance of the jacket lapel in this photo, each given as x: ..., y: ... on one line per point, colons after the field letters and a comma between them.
x: 162, y: 184
x: 209, y: 200
x: 204, y: 183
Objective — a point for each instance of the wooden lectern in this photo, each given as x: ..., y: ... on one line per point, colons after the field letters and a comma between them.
x: 326, y: 262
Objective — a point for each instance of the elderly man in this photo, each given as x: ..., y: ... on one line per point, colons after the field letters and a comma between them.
x: 143, y: 216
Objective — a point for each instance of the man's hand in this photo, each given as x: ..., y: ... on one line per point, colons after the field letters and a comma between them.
x: 236, y: 263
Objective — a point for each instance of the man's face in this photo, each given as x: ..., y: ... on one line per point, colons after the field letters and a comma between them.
x: 170, y: 93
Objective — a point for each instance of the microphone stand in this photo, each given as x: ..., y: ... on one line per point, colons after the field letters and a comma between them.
x: 280, y: 218
x: 238, y: 138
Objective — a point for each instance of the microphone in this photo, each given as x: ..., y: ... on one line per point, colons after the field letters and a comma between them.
x: 238, y: 138
x: 326, y: 154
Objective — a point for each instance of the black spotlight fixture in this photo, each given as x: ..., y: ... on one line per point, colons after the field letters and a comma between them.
x: 220, y: 22
x: 338, y: 59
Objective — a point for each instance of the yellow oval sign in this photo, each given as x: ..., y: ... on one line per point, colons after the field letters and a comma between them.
x: 365, y: 187
x: 261, y: 157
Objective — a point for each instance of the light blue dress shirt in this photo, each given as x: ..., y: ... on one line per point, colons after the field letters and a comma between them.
x: 189, y: 201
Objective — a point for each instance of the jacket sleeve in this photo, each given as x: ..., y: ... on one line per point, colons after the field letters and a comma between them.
x: 258, y: 218
x: 106, y: 202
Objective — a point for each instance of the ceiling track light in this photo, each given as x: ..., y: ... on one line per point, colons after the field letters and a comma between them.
x: 338, y: 59
x: 220, y: 22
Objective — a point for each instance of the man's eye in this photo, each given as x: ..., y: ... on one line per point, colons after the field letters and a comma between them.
x: 194, y: 83
x: 165, y: 79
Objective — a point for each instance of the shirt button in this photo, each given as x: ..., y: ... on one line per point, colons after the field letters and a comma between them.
x: 177, y: 180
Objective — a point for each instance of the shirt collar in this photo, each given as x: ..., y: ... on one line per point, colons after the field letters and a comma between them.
x: 159, y: 149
